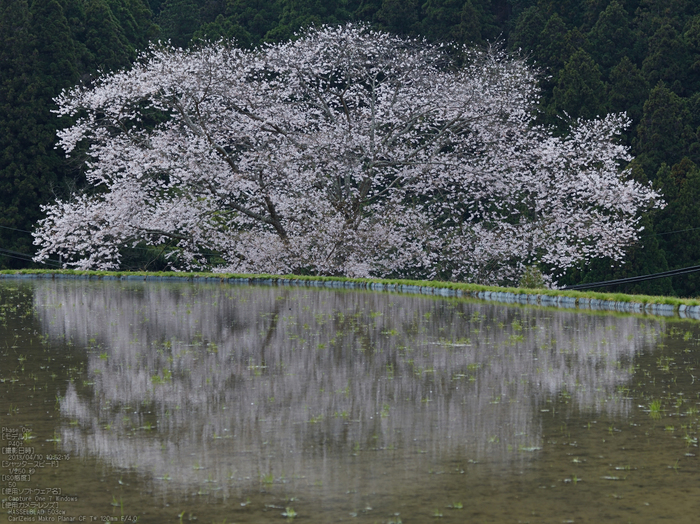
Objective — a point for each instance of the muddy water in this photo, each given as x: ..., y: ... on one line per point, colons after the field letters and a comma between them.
x: 206, y: 403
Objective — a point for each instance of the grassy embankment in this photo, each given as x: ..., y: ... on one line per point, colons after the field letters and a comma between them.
x: 467, y: 289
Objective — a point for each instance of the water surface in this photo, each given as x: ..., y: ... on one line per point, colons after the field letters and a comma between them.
x: 207, y: 402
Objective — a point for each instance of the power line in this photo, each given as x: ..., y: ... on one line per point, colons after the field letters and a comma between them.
x: 15, y: 229
x: 669, y: 232
x: 25, y: 258
x: 640, y: 278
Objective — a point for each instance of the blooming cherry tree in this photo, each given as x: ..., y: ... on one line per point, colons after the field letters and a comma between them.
x: 345, y: 152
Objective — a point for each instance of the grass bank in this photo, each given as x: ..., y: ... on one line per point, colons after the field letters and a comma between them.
x: 460, y: 289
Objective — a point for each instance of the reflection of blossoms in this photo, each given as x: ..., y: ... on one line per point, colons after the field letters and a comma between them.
x: 252, y: 379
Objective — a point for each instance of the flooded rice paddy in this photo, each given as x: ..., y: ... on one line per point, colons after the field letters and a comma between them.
x: 206, y: 403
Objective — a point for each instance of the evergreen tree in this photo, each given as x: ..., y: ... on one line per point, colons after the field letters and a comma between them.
x: 494, y: 17
x: 15, y: 78
x: 573, y: 11
x: 650, y: 15
x: 664, y: 134
x: 210, y: 10
x: 399, y: 16
x: 693, y: 105
x: 37, y: 61
x: 367, y: 10
x: 551, y: 54
x: 48, y: 45
x: 53, y: 52
x: 526, y: 34
x: 225, y: 29
x: 667, y: 59
x: 178, y: 21
x: 679, y: 222
x: 135, y: 19
x: 592, y: 10
x: 611, y: 37
x: 627, y: 90
x: 256, y: 17
x: 74, y: 11
x: 104, y: 38
x: 155, y: 6
x: 247, y: 22
x: 463, y: 21
x: 451, y: 21
x: 296, y: 15
x: 580, y: 90
x: 552, y: 51
x: 692, y: 40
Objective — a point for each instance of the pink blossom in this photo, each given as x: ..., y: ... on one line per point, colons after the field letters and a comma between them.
x: 349, y: 152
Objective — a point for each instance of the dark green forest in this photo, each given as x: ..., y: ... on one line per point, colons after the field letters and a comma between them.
x: 594, y: 56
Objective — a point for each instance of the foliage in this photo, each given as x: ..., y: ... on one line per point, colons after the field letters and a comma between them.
x: 28, y: 162
x: 46, y: 46
x: 532, y: 278
x: 580, y: 91
x: 682, y: 183
x: 50, y: 45
x: 663, y: 133
x: 347, y: 151
x: 611, y: 37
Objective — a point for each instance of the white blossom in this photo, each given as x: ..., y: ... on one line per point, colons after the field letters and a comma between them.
x: 344, y: 152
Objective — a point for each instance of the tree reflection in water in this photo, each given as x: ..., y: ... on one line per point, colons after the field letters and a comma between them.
x: 221, y: 384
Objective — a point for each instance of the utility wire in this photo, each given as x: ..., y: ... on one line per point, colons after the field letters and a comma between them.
x: 15, y: 229
x: 24, y: 256
x: 640, y: 278
x: 669, y: 232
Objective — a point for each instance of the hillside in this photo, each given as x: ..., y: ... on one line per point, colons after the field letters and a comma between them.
x: 595, y: 57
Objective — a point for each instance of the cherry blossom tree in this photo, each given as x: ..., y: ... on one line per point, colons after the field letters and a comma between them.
x: 344, y: 152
